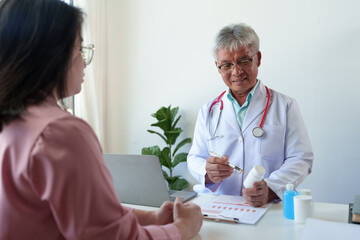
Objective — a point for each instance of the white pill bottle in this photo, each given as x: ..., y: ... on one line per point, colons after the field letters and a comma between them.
x: 256, y: 174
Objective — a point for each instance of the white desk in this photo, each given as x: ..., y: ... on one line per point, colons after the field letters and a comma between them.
x: 271, y: 226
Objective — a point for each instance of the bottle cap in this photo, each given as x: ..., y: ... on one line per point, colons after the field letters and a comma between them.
x: 259, y: 171
x: 304, y: 191
x: 289, y: 186
x: 303, y: 198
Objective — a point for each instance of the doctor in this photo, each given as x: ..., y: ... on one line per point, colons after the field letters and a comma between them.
x: 247, y: 125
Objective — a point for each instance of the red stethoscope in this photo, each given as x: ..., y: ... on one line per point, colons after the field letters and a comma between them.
x: 257, y: 131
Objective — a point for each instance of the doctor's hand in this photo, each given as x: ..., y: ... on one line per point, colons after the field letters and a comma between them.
x: 259, y: 194
x: 217, y: 169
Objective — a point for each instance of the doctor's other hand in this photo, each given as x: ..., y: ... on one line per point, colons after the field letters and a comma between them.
x: 217, y: 169
x: 188, y: 218
x: 259, y: 194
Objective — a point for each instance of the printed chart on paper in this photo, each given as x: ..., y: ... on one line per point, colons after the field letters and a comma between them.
x: 226, y: 207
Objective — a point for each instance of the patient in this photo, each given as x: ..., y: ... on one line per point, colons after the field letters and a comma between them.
x: 53, y: 180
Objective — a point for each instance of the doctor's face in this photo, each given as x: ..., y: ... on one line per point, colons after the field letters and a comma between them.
x: 239, y: 69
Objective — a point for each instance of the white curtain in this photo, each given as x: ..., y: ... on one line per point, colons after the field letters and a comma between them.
x: 89, y: 104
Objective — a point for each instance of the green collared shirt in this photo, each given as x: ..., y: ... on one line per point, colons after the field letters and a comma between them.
x: 240, y: 111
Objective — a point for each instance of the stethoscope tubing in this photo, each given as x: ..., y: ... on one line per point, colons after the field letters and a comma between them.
x: 266, y: 107
x: 257, y: 131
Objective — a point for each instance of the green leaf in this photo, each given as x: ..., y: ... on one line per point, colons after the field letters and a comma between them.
x: 154, y: 150
x: 165, y: 157
x: 151, y: 131
x: 164, y: 124
x: 163, y: 115
x: 174, y: 131
x: 181, y: 157
x: 176, y: 121
x: 173, y: 112
x: 182, y: 143
x: 180, y: 184
x: 165, y: 174
x: 172, y: 180
x: 172, y: 135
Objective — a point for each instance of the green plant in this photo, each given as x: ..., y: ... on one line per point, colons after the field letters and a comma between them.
x: 168, y: 156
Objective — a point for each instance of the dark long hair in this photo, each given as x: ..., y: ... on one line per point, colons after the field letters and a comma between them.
x: 36, y: 42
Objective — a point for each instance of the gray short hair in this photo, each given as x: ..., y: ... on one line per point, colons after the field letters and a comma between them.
x: 235, y: 35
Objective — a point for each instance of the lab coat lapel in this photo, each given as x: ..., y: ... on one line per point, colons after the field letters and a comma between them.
x: 229, y: 113
x: 256, y: 107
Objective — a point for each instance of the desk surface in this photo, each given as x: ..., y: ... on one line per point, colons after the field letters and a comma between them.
x: 271, y: 226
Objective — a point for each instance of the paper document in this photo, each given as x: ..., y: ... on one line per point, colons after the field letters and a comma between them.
x: 233, y: 209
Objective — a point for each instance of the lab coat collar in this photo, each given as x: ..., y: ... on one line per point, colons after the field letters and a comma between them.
x: 256, y: 107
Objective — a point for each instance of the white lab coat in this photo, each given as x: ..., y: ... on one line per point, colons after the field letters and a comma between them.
x: 284, y: 150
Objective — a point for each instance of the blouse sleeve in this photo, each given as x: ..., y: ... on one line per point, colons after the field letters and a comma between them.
x: 68, y: 173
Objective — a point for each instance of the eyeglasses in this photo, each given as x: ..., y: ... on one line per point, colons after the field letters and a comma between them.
x: 229, y: 67
x: 87, y: 53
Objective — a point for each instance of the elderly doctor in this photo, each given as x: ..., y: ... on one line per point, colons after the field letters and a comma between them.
x: 247, y: 125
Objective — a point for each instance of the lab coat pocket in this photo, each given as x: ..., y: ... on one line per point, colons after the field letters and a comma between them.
x: 272, y: 143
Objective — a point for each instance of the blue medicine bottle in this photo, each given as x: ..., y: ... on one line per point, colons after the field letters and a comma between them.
x: 288, y: 201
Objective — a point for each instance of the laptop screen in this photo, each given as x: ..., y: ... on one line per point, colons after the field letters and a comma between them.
x: 138, y: 179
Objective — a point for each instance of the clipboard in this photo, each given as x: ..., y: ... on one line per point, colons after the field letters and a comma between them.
x: 233, y: 209
x: 220, y: 218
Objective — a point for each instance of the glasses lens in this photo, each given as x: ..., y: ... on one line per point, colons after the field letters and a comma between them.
x: 226, y: 68
x: 229, y: 67
x: 87, y: 53
x: 244, y: 62
x: 84, y: 54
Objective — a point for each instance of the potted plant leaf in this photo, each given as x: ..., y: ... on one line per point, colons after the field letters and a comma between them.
x: 169, y: 156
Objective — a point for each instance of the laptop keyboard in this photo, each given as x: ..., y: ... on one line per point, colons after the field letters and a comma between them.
x: 183, y: 194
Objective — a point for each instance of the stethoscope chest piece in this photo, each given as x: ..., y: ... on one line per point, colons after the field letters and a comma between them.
x: 258, y: 132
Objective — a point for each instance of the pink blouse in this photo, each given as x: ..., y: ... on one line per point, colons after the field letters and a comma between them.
x: 54, y: 183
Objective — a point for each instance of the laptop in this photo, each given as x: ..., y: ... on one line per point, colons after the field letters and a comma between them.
x: 139, y: 180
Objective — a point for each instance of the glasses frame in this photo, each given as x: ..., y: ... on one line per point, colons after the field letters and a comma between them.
x: 242, y: 63
x: 87, y: 53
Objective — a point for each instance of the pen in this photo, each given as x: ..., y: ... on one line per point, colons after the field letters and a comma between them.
x: 238, y: 170
x: 221, y: 219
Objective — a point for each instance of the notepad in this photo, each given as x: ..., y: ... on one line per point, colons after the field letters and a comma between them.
x: 233, y: 209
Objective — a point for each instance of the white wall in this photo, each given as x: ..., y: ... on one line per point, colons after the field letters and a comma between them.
x: 160, y: 54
